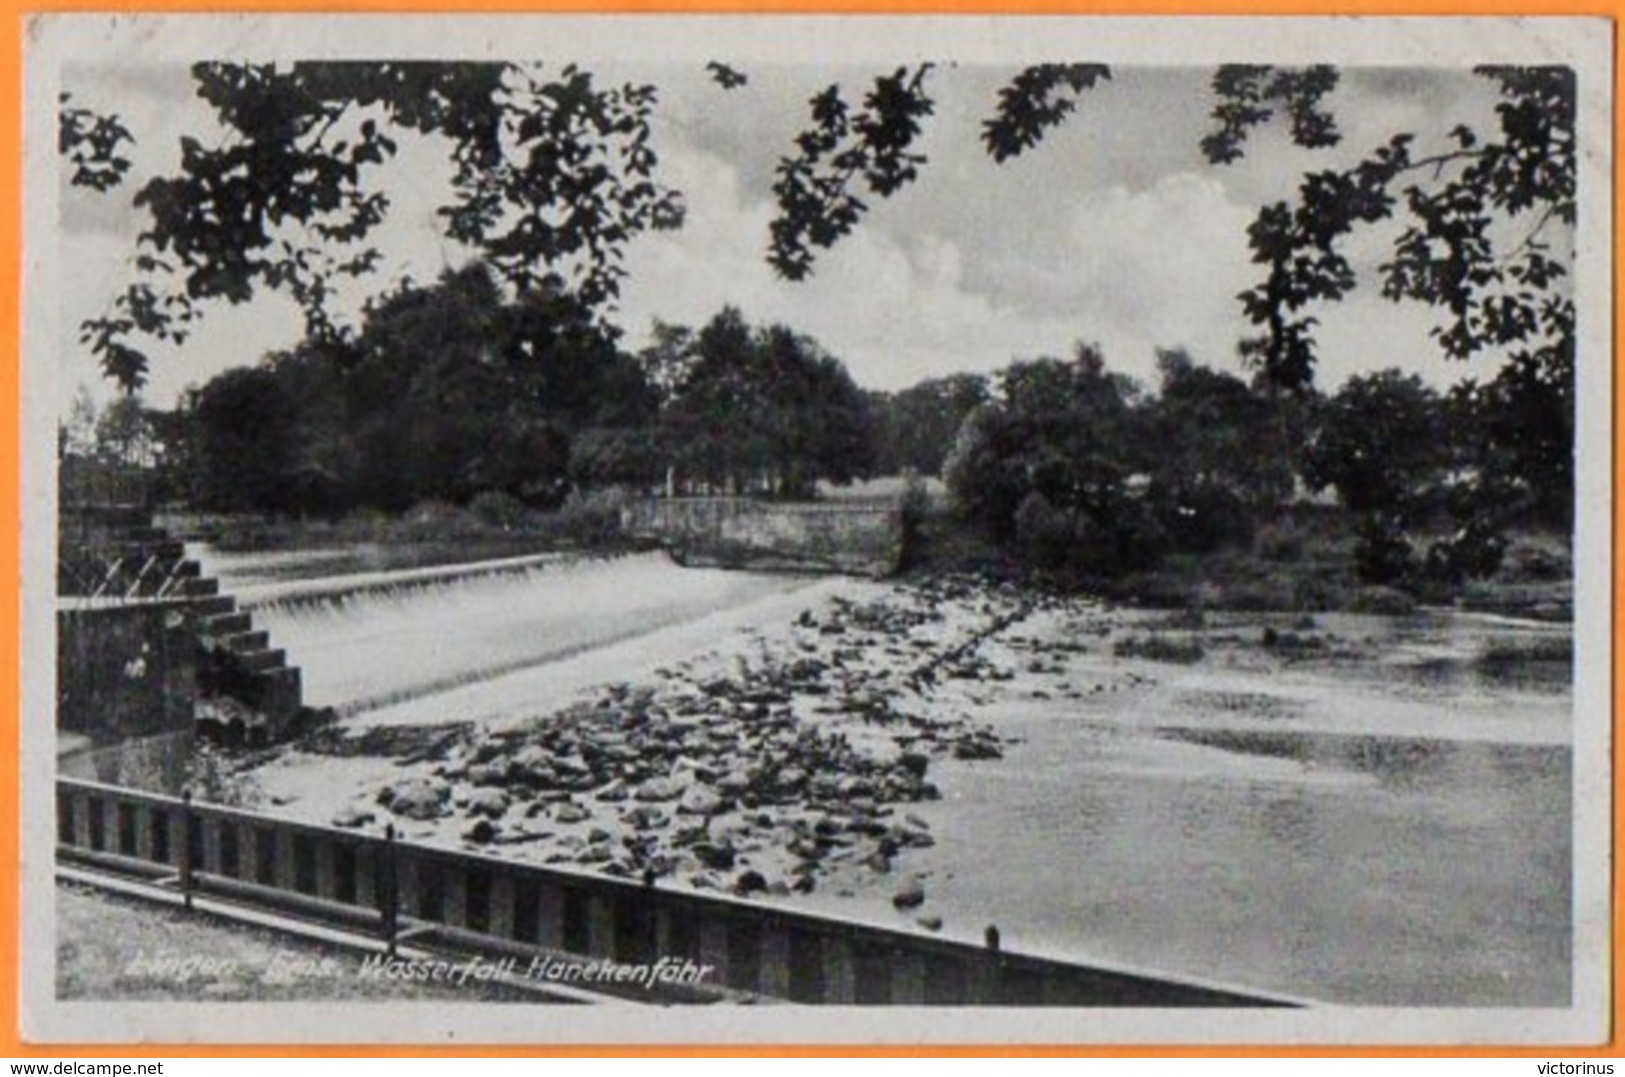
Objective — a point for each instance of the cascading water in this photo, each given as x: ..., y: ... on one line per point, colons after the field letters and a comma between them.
x: 368, y: 642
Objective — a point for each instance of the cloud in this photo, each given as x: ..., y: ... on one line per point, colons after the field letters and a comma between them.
x: 894, y: 308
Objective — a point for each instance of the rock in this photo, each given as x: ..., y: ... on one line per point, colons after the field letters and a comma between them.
x: 491, y: 803
x: 571, y: 812
x: 688, y: 835
x: 734, y: 782
x: 353, y: 816
x: 530, y: 767
x: 977, y: 748
x: 598, y: 836
x: 647, y: 817
x: 854, y: 786
x: 656, y: 790
x: 487, y: 774
x: 929, y: 922
x: 417, y: 798
x: 482, y: 832
x: 719, y: 855
x: 911, y: 896
x: 749, y: 882
x: 613, y: 793
x: 698, y: 800
x: 571, y: 767
x: 878, y: 861
x: 914, y: 763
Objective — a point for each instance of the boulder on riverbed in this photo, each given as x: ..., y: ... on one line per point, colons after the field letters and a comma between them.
x: 571, y: 812
x: 491, y: 803
x: 657, y: 790
x: 699, y: 800
x: 416, y: 798
x: 352, y: 816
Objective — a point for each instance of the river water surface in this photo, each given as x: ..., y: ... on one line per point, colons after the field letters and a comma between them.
x: 1390, y: 826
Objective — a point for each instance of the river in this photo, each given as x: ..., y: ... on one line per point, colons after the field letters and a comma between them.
x: 1386, y: 824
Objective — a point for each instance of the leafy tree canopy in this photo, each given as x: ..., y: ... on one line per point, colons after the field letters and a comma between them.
x: 554, y: 173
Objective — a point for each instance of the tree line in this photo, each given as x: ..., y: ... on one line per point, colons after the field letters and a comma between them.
x: 1085, y: 472
x: 460, y: 391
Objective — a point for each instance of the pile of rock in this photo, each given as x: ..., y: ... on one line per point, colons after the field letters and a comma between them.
x: 759, y: 781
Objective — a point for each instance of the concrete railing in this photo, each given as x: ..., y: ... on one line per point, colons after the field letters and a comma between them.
x: 394, y: 888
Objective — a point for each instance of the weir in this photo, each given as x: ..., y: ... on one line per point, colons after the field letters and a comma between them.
x: 370, y: 642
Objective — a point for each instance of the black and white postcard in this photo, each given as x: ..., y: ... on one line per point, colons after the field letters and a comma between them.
x: 823, y: 529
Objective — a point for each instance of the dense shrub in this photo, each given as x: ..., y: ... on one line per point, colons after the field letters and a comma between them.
x: 591, y: 519
x: 1473, y: 553
x: 497, y: 508
x: 1203, y: 519
x: 1383, y: 555
x: 1160, y: 649
x: 1389, y: 601
x: 1282, y: 541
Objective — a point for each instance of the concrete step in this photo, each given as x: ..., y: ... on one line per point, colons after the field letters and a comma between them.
x: 226, y: 623
x: 202, y: 586
x: 213, y: 606
x: 187, y: 570
x: 261, y: 661
x: 243, y: 642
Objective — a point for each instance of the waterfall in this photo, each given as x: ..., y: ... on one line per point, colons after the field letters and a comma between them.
x: 369, y: 641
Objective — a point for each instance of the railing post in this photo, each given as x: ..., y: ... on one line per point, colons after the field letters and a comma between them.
x: 184, y: 853
x: 983, y: 984
x: 389, y: 890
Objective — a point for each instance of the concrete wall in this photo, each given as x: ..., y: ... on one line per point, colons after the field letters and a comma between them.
x: 125, y: 670
x: 157, y: 764
x: 861, y: 539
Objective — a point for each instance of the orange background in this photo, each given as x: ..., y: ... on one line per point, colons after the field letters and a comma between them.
x: 11, y: 110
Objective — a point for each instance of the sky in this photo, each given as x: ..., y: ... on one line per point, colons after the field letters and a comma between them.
x: 1115, y: 231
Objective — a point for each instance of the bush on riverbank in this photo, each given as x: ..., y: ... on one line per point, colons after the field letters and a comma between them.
x: 1159, y: 648
x: 1301, y: 563
x: 491, y: 519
